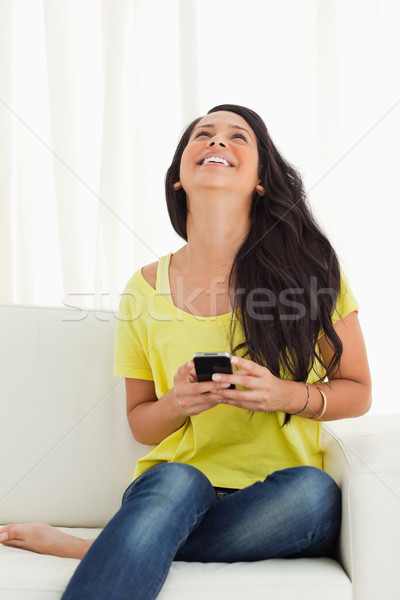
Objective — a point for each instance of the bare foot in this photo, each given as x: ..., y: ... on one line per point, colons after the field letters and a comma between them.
x: 44, y: 539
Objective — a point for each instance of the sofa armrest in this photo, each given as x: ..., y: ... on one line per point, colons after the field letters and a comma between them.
x: 363, y: 456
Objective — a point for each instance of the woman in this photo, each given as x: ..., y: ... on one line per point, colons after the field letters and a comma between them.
x: 234, y: 474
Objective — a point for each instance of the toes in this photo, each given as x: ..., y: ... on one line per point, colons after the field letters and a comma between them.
x: 3, y: 537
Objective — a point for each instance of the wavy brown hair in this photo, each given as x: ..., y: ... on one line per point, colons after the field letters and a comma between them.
x: 285, y: 254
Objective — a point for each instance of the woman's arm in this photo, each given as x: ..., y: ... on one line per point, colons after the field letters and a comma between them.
x: 152, y: 420
x: 348, y: 391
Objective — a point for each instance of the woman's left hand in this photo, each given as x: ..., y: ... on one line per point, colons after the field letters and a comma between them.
x: 266, y: 392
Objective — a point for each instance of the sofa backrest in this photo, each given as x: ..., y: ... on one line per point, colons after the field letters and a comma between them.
x: 66, y: 450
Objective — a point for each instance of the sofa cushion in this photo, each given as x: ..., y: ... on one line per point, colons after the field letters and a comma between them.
x: 28, y: 576
x: 73, y: 454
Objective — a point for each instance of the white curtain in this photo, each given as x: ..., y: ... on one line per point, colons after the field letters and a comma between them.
x: 94, y: 96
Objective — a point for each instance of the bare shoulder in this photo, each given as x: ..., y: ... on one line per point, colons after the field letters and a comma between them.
x: 149, y: 273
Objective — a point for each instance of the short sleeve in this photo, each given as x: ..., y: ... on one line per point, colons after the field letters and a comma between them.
x: 346, y: 302
x: 130, y: 351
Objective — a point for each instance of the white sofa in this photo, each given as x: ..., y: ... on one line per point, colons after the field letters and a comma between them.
x: 67, y: 455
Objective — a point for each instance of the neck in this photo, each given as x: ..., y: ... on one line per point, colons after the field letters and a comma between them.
x: 217, y: 225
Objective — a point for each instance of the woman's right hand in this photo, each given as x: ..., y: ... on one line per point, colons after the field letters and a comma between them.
x: 152, y: 421
x: 192, y: 397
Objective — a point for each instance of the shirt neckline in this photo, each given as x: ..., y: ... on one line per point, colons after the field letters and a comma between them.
x: 182, y: 314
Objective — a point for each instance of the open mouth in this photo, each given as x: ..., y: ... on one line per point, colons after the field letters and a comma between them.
x: 217, y: 160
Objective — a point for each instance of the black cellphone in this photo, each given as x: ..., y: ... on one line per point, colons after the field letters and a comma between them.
x: 208, y: 363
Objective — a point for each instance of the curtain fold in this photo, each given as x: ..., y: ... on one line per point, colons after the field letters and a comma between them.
x: 6, y: 157
x: 94, y: 96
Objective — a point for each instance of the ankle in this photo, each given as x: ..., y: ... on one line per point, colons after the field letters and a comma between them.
x: 82, y: 547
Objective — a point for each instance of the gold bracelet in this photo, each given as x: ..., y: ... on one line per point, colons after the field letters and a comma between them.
x: 325, y: 404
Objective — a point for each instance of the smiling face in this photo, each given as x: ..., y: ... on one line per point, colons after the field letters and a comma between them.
x: 221, y: 154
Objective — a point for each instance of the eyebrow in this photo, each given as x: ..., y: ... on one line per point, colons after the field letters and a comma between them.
x: 231, y: 126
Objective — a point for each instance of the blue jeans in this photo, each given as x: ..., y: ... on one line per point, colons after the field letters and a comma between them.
x: 172, y: 512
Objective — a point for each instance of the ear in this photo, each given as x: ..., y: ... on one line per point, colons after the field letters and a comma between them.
x: 260, y: 190
x: 177, y: 186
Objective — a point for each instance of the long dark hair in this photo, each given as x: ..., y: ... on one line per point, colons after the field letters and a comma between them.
x: 285, y: 253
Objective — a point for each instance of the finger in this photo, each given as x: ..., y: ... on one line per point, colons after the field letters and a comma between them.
x: 238, y: 396
x: 249, y: 381
x: 185, y: 371
x: 208, y: 401
x: 238, y: 372
x: 217, y: 397
x: 202, y: 387
x: 190, y: 370
x: 249, y: 365
x: 186, y: 367
x: 192, y: 373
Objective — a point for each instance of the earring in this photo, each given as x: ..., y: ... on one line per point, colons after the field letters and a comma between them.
x: 260, y: 190
x: 177, y: 186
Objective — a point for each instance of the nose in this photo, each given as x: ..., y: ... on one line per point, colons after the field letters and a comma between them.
x: 217, y: 140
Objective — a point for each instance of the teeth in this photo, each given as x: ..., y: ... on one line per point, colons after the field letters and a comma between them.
x: 216, y: 159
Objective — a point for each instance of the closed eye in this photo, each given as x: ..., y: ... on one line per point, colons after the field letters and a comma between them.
x: 240, y: 135
x: 203, y: 133
x: 235, y: 135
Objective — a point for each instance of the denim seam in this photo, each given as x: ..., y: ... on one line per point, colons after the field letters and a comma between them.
x: 200, y: 514
x: 161, y: 581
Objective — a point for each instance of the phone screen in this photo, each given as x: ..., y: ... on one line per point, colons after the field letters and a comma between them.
x: 208, y: 363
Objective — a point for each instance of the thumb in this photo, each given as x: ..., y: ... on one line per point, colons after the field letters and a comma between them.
x: 185, y: 371
x: 191, y: 371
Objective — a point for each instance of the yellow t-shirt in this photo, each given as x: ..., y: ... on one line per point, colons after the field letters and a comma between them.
x: 231, y: 447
